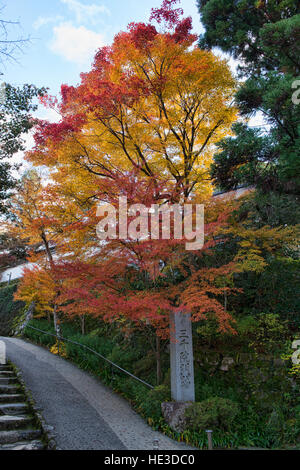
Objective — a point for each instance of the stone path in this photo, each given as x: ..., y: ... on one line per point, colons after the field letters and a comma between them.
x: 85, y: 414
x: 18, y: 430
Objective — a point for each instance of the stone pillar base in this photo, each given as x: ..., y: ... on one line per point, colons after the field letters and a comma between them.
x: 173, y: 412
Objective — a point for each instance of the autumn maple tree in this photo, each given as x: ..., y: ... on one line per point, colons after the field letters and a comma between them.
x: 35, y: 224
x: 152, y: 102
x: 143, y: 123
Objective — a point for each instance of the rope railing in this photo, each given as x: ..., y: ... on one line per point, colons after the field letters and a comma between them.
x: 61, y: 338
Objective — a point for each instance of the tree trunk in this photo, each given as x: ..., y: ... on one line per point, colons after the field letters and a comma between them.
x: 158, y: 361
x: 82, y: 321
x: 47, y: 247
x: 56, y: 322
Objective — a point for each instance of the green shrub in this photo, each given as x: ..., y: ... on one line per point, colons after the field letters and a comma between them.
x: 275, y: 427
x: 257, y: 386
x: 160, y: 393
x: 150, y: 406
x: 145, y: 365
x: 131, y: 389
x: 212, y: 413
x: 9, y: 308
x: 43, y: 339
x: 123, y: 356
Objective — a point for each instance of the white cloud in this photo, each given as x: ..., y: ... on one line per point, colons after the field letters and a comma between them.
x: 75, y: 44
x: 84, y: 13
x: 47, y: 114
x: 18, y: 157
x: 42, y: 21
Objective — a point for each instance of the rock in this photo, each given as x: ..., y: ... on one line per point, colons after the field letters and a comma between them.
x: 208, y: 359
x: 227, y: 363
x: 173, y: 412
x: 48, y: 428
x: 213, y: 359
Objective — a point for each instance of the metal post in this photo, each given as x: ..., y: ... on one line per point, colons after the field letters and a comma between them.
x: 156, y: 444
x: 209, y: 439
x: 58, y: 338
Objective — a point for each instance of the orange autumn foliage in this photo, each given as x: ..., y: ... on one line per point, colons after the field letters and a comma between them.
x: 143, y: 123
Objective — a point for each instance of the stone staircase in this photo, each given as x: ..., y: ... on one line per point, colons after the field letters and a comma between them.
x: 19, y: 429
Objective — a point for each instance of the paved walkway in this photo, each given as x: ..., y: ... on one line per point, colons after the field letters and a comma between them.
x: 84, y: 413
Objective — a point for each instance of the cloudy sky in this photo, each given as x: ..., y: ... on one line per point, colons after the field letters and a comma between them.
x: 64, y: 37
x: 66, y: 33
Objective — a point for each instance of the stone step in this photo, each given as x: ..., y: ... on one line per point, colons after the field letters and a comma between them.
x: 24, y: 445
x: 11, y: 398
x: 16, y: 424
x: 5, y: 367
x: 10, y: 437
x: 13, y: 422
x: 13, y: 408
x: 8, y: 389
x: 7, y: 380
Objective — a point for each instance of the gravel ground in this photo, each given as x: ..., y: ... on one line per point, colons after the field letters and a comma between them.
x: 85, y: 414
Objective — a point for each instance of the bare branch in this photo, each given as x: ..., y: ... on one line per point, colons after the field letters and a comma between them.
x: 10, y: 46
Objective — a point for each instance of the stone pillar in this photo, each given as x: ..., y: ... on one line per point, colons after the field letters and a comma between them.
x: 2, y: 353
x: 182, y: 358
